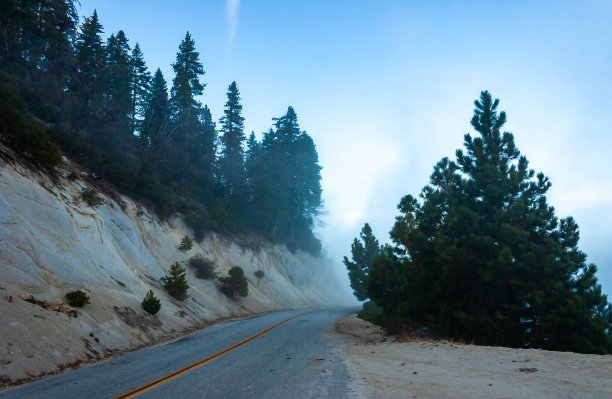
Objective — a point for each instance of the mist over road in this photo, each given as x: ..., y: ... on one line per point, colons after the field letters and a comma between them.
x: 298, y: 358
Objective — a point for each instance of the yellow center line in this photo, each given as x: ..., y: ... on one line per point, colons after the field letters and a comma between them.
x: 169, y: 377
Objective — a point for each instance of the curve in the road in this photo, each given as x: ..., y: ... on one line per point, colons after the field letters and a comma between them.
x: 169, y: 377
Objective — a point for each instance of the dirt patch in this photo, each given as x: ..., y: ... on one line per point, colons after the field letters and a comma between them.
x: 139, y: 320
x: 429, y: 368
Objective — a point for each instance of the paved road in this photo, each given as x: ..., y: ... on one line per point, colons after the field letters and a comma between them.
x: 298, y: 359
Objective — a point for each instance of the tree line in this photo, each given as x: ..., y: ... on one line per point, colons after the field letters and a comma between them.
x: 65, y: 88
x: 480, y: 255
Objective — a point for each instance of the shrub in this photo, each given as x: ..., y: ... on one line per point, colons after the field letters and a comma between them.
x: 150, y: 303
x: 77, y: 298
x: 175, y: 282
x: 91, y: 197
x: 186, y: 244
x: 259, y: 274
x: 371, y: 312
x: 235, y: 283
x: 204, y: 268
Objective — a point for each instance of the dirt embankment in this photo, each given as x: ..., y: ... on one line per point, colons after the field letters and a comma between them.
x: 387, y: 367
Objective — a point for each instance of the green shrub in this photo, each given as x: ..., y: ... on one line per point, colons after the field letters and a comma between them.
x: 259, y: 274
x: 235, y: 283
x: 186, y: 244
x: 204, y: 268
x: 91, y: 197
x: 77, y: 298
x: 371, y: 312
x: 150, y: 303
x: 175, y: 282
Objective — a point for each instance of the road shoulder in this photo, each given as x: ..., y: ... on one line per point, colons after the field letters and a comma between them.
x: 392, y: 367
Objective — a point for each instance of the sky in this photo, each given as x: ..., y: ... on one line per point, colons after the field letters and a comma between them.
x: 387, y: 88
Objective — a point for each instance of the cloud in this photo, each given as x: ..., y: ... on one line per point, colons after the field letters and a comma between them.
x: 232, y: 7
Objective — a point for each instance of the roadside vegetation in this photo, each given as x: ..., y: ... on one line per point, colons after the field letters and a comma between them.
x: 175, y: 282
x: 235, y: 284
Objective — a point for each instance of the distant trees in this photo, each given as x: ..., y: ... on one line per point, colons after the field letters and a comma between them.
x: 285, y: 183
x: 483, y: 257
x: 363, y: 253
x: 97, y: 101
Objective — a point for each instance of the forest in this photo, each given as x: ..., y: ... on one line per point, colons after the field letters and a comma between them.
x: 479, y: 256
x: 64, y: 90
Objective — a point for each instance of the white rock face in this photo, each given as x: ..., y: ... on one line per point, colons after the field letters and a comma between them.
x: 52, y: 242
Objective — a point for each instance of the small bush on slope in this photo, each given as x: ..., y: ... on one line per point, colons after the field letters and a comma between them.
x: 186, y: 244
x: 235, y: 283
x: 175, y: 282
x: 150, y: 303
x: 204, y: 268
x: 77, y: 298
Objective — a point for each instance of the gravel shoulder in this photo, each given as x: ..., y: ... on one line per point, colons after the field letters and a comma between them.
x: 387, y: 367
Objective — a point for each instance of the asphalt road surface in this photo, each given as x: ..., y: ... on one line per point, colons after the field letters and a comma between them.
x: 297, y: 358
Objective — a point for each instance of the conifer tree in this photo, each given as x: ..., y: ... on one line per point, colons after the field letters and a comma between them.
x: 231, y: 162
x: 186, y: 111
x: 363, y: 253
x: 87, y: 84
x: 483, y: 256
x: 140, y: 85
x: 185, y: 87
x: 175, y: 283
x: 157, y: 115
x: 118, y: 71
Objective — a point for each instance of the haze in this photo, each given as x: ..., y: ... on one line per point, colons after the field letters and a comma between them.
x: 386, y: 89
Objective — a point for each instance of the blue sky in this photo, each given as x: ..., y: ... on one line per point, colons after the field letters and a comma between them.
x: 386, y: 89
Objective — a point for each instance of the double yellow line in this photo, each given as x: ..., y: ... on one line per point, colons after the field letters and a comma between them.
x: 169, y: 377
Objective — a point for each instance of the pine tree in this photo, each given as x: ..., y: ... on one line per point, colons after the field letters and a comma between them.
x: 118, y: 71
x: 140, y: 85
x: 286, y: 184
x: 87, y: 84
x: 155, y: 131
x: 483, y: 256
x: 231, y: 162
x: 363, y: 255
x: 186, y: 112
x: 175, y: 283
x: 185, y: 87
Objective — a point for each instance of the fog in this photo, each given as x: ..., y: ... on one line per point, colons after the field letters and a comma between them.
x: 386, y: 89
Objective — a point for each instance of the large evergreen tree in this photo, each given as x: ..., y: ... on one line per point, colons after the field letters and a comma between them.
x: 186, y: 110
x: 483, y: 257
x: 286, y: 184
x: 363, y: 253
x: 231, y: 162
x: 87, y: 83
x: 118, y: 93
x: 140, y: 86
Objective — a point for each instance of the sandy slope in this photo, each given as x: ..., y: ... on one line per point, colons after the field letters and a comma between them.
x: 383, y: 368
x: 51, y: 242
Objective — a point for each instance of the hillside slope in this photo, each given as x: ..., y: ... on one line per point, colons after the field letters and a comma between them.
x: 52, y: 242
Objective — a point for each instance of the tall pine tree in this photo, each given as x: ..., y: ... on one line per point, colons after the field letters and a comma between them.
x: 231, y: 162
x: 363, y: 253
x: 140, y: 86
x: 483, y: 256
